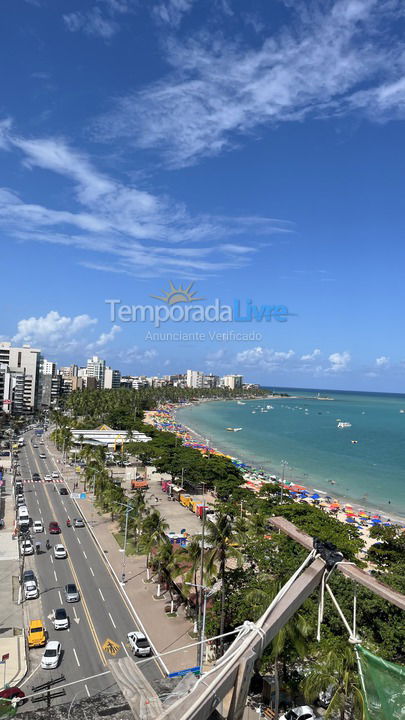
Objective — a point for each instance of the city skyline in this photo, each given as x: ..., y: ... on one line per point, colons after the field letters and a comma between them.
x: 253, y: 153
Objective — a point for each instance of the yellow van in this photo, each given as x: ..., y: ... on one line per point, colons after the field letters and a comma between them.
x: 36, y: 634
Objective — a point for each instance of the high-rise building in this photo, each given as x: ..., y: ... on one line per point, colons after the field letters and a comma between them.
x: 211, y: 381
x: 112, y: 379
x: 194, y: 379
x: 20, y: 374
x: 95, y: 369
x: 233, y: 382
x: 46, y: 367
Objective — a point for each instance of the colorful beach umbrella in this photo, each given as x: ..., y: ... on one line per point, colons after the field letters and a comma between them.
x: 315, y: 496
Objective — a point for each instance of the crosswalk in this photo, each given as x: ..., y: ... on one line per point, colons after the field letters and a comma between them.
x: 27, y: 481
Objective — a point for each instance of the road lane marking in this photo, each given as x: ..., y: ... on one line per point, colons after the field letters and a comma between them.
x: 84, y: 604
x: 87, y: 691
x: 112, y: 621
x: 91, y: 570
x: 78, y: 540
x: 125, y: 649
x: 84, y: 554
x: 51, y: 559
x: 20, y: 684
x: 103, y: 598
x: 60, y: 597
x: 77, y: 659
x: 56, y: 579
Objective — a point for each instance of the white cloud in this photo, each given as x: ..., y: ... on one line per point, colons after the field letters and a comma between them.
x: 145, y: 233
x: 136, y: 354
x: 52, y: 330
x: 311, y: 356
x: 170, y: 12
x: 339, y: 362
x: 92, y: 23
x: 264, y: 357
x: 382, y: 361
x: 107, y: 337
x: 219, y: 90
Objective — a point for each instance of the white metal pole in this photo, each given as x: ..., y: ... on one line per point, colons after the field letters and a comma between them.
x: 202, y: 646
x: 125, y: 547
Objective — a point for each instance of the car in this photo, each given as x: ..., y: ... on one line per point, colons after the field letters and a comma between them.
x: 14, y: 694
x: 54, y: 528
x: 71, y: 593
x: 36, y: 634
x: 34, y: 445
x: 60, y: 619
x: 27, y: 547
x: 78, y: 522
x: 42, y: 456
x: 38, y: 526
x: 41, y: 442
x: 48, y: 478
x: 63, y: 491
x: 31, y: 591
x: 36, y: 476
x: 28, y: 575
x: 303, y: 712
x: 20, y: 500
x: 59, y: 551
x: 50, y: 658
x: 139, y: 643
x: 55, y: 474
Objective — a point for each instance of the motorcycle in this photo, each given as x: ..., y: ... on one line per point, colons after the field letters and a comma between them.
x: 68, y: 523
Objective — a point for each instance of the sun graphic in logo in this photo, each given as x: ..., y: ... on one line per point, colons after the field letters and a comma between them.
x: 178, y: 295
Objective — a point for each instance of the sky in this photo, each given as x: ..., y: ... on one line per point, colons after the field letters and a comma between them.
x: 251, y: 149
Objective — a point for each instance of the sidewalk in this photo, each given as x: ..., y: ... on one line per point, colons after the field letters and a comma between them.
x: 165, y: 633
x: 12, y: 632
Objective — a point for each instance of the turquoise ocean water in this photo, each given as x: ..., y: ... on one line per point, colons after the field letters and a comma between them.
x: 303, y: 433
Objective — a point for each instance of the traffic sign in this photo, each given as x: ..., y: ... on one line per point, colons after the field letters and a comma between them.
x: 75, y: 496
x: 195, y: 670
x: 82, y: 496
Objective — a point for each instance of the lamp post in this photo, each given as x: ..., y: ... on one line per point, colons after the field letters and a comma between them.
x: 284, y: 463
x: 128, y: 509
x: 207, y: 592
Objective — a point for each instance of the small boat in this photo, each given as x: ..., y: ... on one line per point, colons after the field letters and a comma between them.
x: 270, y: 407
x: 344, y: 424
x: 233, y: 429
x: 402, y: 411
x: 239, y: 402
x: 253, y: 412
x: 354, y: 442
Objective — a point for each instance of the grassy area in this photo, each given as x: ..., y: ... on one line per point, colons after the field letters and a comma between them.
x: 130, y: 549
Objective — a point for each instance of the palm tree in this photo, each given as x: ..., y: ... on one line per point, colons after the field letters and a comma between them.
x: 192, y: 557
x: 219, y: 537
x: 154, y: 527
x: 336, y: 671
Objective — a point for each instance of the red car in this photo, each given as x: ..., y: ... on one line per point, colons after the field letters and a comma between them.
x: 54, y: 528
x: 12, y: 693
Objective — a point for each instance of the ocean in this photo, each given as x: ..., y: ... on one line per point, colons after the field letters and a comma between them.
x: 301, y: 435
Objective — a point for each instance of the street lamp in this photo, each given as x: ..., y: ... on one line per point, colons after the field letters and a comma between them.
x: 128, y: 509
x: 207, y: 592
x: 284, y: 463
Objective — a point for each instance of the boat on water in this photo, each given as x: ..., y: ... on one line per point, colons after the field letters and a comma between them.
x: 270, y: 407
x: 239, y: 402
x: 233, y: 429
x: 344, y: 424
x: 354, y: 442
x: 402, y: 411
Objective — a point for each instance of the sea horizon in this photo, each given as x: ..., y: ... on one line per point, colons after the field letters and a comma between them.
x: 363, y: 463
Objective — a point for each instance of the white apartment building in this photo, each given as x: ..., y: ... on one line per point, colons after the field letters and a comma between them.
x: 233, y: 382
x: 194, y: 379
x: 20, y: 374
x: 46, y: 367
x: 96, y: 368
x: 112, y: 379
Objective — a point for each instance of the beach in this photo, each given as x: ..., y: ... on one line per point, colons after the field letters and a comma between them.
x: 343, y: 509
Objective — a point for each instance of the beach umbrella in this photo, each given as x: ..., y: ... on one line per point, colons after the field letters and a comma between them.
x: 350, y: 520
x: 315, y: 496
x: 304, y: 494
x: 376, y: 522
x: 387, y: 524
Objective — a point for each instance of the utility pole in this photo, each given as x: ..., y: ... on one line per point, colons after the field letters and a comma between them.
x: 201, y: 577
x: 128, y: 509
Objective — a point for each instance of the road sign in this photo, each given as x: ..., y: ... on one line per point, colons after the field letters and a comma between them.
x: 111, y: 647
x: 195, y: 670
x: 75, y: 496
x: 82, y: 496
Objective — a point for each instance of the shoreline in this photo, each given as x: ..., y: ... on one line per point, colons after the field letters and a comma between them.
x: 253, y: 475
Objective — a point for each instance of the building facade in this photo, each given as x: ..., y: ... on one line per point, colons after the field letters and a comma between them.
x: 20, y: 377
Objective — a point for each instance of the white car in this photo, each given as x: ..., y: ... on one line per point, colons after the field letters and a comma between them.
x: 31, y: 591
x: 304, y: 712
x: 42, y: 456
x: 51, y: 656
x: 139, y: 644
x: 38, y: 526
x: 60, y: 619
x: 27, y: 547
x: 55, y: 474
x: 59, y: 551
x: 48, y: 478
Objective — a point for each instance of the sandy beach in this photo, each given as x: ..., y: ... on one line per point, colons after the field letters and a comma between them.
x: 341, y: 508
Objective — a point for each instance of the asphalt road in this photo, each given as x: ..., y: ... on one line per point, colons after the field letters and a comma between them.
x: 99, y: 616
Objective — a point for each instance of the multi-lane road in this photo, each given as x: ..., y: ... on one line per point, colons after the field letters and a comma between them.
x: 102, y: 614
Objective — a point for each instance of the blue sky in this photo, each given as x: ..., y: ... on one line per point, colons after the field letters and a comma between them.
x: 255, y: 149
